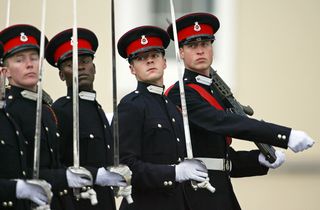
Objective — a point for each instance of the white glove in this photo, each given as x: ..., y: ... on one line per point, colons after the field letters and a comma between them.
x: 77, y: 180
x: 281, y: 157
x: 299, y: 141
x: 107, y: 178
x: 191, y: 169
x: 31, y: 192
x: 90, y: 194
x: 124, y: 192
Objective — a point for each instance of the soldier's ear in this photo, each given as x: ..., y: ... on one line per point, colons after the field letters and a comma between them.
x: 181, y: 53
x: 133, y: 71
x: 94, y: 68
x: 61, y: 75
x: 5, y: 70
x: 165, y: 63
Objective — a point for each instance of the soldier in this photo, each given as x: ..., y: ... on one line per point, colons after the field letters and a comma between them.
x: 150, y: 127
x: 210, y: 125
x: 21, y: 63
x: 14, y: 189
x: 96, y: 143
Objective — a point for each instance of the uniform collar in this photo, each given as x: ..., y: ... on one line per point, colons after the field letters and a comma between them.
x: 197, y: 78
x: 150, y: 88
x: 27, y: 94
x: 85, y: 95
x: 89, y: 96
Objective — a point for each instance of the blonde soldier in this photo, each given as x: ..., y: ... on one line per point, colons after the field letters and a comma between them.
x: 21, y: 64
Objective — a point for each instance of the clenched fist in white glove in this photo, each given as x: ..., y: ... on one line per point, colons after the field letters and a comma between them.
x: 78, y: 178
x: 33, y: 192
x: 299, y: 141
x: 191, y: 169
x: 107, y: 178
x: 279, y: 161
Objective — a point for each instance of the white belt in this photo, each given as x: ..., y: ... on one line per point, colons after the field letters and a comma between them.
x: 217, y: 164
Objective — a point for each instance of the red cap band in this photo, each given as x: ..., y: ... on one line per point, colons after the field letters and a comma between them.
x: 66, y: 47
x: 15, y: 42
x: 143, y: 43
x: 190, y: 31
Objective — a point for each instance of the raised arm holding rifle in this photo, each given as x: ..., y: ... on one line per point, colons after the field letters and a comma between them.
x: 211, y: 126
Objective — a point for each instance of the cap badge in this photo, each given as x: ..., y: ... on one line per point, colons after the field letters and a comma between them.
x: 144, y: 40
x: 72, y: 41
x: 196, y: 27
x: 23, y: 37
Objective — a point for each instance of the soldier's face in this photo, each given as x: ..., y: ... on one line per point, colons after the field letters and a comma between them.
x: 197, y: 56
x: 86, y: 72
x: 22, y: 69
x: 149, y: 67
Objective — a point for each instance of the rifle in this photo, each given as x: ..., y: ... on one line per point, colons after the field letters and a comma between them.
x: 234, y: 106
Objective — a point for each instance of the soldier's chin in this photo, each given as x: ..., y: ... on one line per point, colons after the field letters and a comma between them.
x: 85, y: 86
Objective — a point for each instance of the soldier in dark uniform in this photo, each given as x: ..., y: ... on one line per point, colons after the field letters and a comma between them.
x: 96, y: 143
x: 21, y: 62
x: 14, y: 190
x: 151, y: 134
x: 210, y: 125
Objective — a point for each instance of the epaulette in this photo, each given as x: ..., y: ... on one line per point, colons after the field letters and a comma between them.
x: 33, y: 96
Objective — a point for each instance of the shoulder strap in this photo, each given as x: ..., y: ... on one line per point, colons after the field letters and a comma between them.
x: 166, y: 93
x: 207, y: 96
x: 210, y: 99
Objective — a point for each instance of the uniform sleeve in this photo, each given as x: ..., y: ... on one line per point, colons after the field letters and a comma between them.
x: 245, y: 163
x: 7, y: 190
x: 145, y: 175
x: 203, y: 115
x: 56, y: 177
